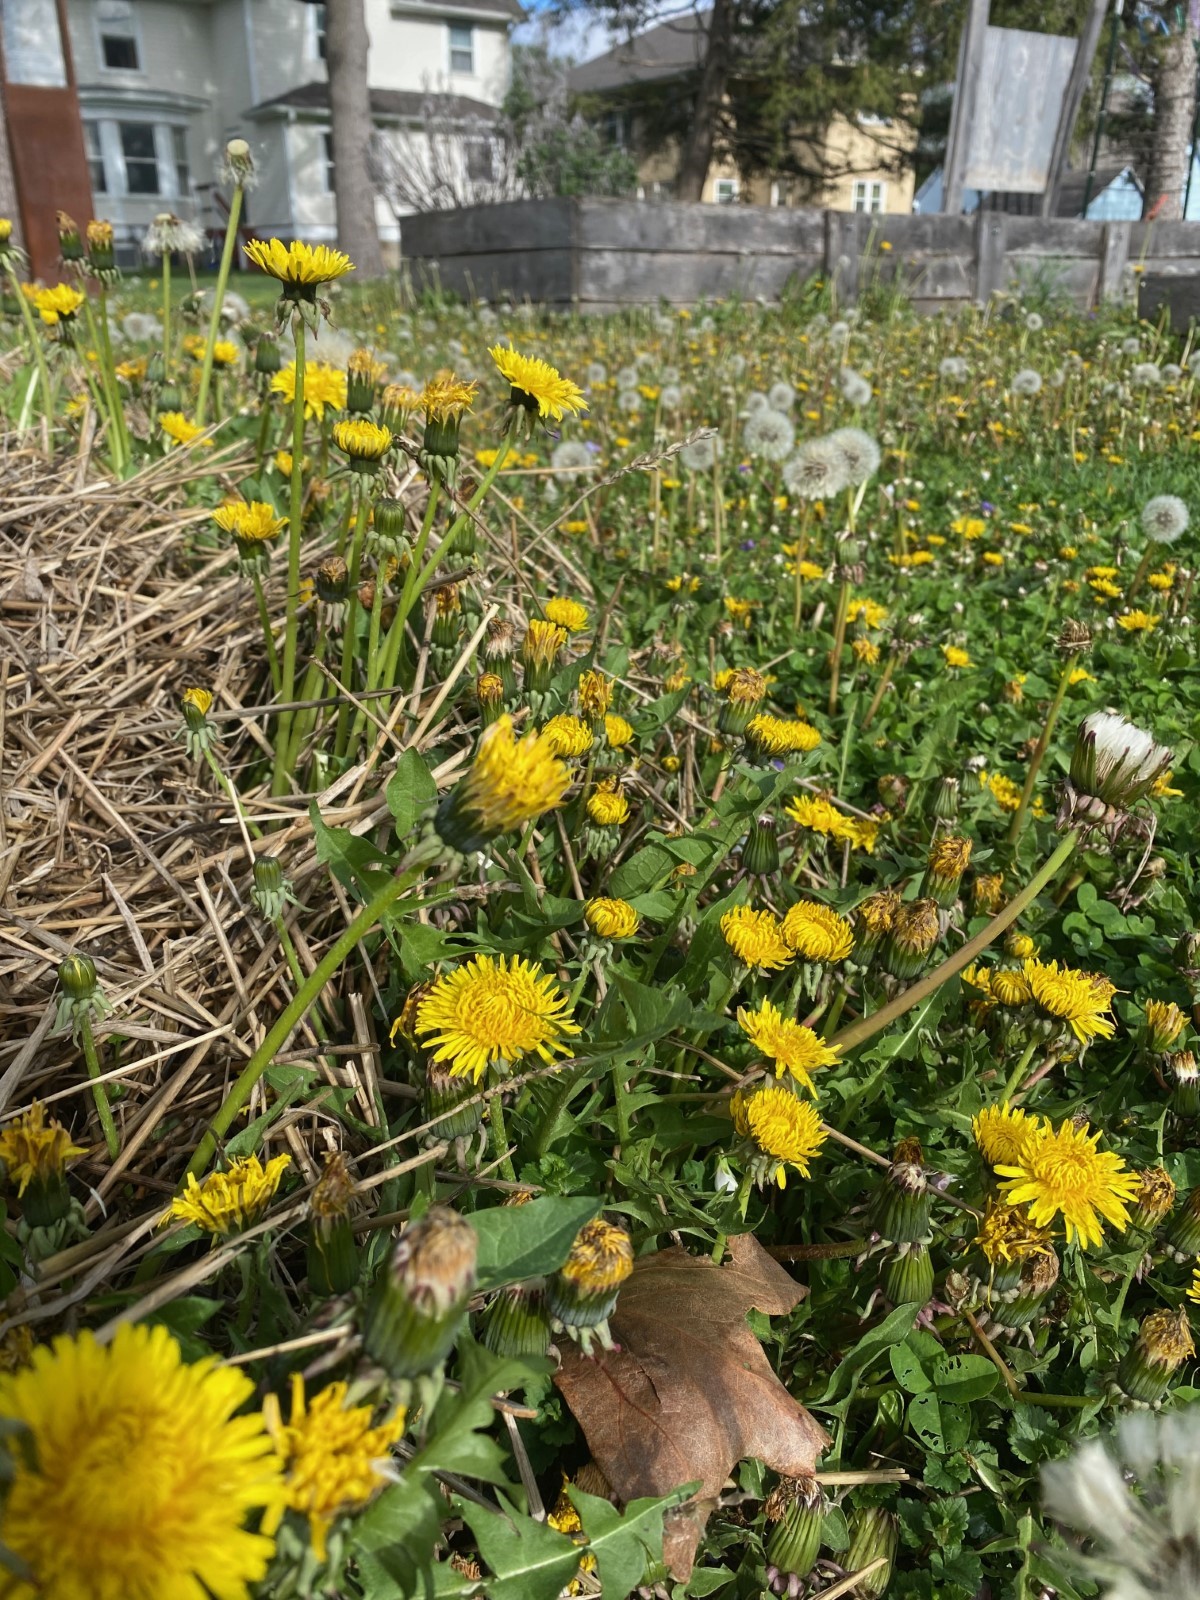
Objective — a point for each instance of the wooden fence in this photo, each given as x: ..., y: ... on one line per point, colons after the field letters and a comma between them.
x: 601, y: 255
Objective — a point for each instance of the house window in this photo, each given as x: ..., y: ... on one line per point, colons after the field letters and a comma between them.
x: 725, y: 191
x: 327, y: 162
x: 481, y: 159
x: 183, y: 175
x: 318, y: 31
x: 95, y: 157
x: 869, y: 195
x: 617, y: 127
x: 118, y: 36
x: 462, y: 48
x: 141, y: 159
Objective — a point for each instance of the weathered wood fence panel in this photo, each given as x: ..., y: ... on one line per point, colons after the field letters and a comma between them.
x: 602, y: 255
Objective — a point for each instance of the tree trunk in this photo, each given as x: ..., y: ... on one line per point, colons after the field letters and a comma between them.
x: 346, y: 51
x: 696, y: 156
x: 1174, y: 110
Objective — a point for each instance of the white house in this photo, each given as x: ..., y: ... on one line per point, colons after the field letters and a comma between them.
x: 163, y: 84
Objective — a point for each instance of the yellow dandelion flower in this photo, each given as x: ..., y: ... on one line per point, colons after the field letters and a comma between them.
x: 333, y: 1460
x: 781, y: 1127
x: 1161, y: 788
x: 755, y: 938
x: 817, y: 815
x: 1006, y: 1235
x: 781, y: 736
x: 568, y: 736
x: 742, y: 686
x: 444, y: 400
x: 1164, y: 1023
x: 607, y: 808
x: 140, y: 1476
x: 252, y: 520
x: 792, y: 1047
x: 956, y: 657
x: 617, y: 731
x: 323, y: 386
x: 611, y: 919
x: 57, y: 304
x: 495, y: 1010
x: 34, y: 1152
x: 568, y: 614
x: 225, y: 353
x: 1004, y: 791
x: 178, y: 428
x: 511, y: 781
x: 299, y: 266
x: 1138, y: 622
x: 1001, y: 1131
x: 1060, y: 1172
x: 817, y: 932
x: 542, y: 642
x: 362, y: 440
x: 1079, y: 675
x: 535, y: 384
x: 228, y: 1202
x: 1080, y: 999
x: 1162, y: 581
x: 1009, y: 987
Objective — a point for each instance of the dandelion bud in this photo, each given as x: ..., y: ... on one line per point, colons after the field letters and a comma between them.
x: 444, y: 402
x: 396, y: 405
x: 362, y: 372
x: 516, y: 1323
x: 1187, y: 955
x: 70, y: 245
x: 332, y: 581
x: 595, y: 696
x: 912, y: 936
x: 33, y: 1158
x: 873, y: 918
x: 364, y: 443
x: 1039, y: 1274
x: 539, y: 653
x: 170, y: 398
x: 1183, y: 1073
x: 389, y: 526
x: 450, y: 1102
x: 797, y: 1508
x: 447, y: 616
x: 907, y: 1275
x: 1163, y: 1024
x: 272, y: 892
x: 1113, y: 763
x: 489, y: 695
x: 1163, y: 1342
x: 100, y: 255
x: 948, y: 858
x: 267, y: 360
x: 760, y: 853
x: 239, y: 161
x: 198, y: 736
x: 611, y: 919
x: 8, y: 250
x: 744, y: 693
x: 1183, y: 1235
x: 874, y: 1535
x: 582, y: 1294
x: 420, y: 1297
x: 1154, y: 1199
x: 333, y: 1264
x: 987, y: 894
x: 77, y: 974
x: 904, y: 1203
x: 607, y: 811
x: 944, y: 804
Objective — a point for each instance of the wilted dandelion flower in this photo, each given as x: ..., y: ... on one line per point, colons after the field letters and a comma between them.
x: 794, y: 1049
x: 769, y: 434
x: 170, y: 235
x: 817, y: 470
x: 1061, y: 1172
x: 780, y: 1127
x: 139, y: 1475
x: 756, y: 939
x: 1026, y: 382
x: 860, y: 454
x: 495, y: 1011
x: 1164, y: 518
x: 1007, y: 1235
x: 229, y: 1202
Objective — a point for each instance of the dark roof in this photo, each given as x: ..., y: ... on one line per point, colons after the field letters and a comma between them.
x: 667, y: 51
x: 403, y: 104
x: 1070, y: 192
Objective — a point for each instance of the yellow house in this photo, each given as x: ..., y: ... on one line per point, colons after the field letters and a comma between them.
x: 864, y: 164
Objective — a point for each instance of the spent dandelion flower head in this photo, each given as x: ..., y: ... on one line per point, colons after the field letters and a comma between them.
x: 334, y: 1459
x: 142, y: 1471
x: 229, y: 1202
x: 495, y: 1011
x: 1006, y: 1234
x: 816, y: 471
x: 817, y: 932
x: 781, y: 1129
x: 769, y: 434
x: 536, y: 386
x: 859, y: 453
x: 170, y: 235
x: 1028, y: 381
x: 595, y: 694
x: 1060, y: 1172
x: 1165, y: 518
x: 510, y: 782
x: 795, y: 1050
x: 756, y: 938
x: 445, y: 398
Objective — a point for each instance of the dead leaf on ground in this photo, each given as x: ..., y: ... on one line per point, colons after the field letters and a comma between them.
x: 690, y: 1391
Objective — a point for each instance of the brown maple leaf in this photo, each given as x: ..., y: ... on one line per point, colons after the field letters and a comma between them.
x: 690, y: 1391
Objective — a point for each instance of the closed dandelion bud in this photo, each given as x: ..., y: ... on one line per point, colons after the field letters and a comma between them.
x: 944, y: 804
x: 239, y: 161
x: 82, y: 998
x: 1187, y: 955
x: 77, y: 974
x: 760, y: 853
x: 907, y: 1275
x: 1163, y: 1025
x: 893, y: 790
x: 1183, y: 1235
x: 444, y: 401
x: 1039, y: 1274
x: 362, y: 370
x: 198, y: 736
x: 874, y: 1536
x: 987, y: 894
x: 447, y: 619
x: 1019, y: 946
x: 516, y: 1323
x: 333, y: 1264
x: 156, y: 370
x: 100, y: 254
x: 1113, y: 764
x: 873, y: 918
x: 7, y: 245
x: 948, y: 858
x: 912, y: 936
x: 267, y: 360
x: 1183, y: 1074
x: 420, y: 1297
x: 70, y: 245
x: 366, y: 594
x: 272, y: 892
x: 444, y: 1102
x: 539, y: 653
x: 607, y: 811
x: 905, y: 1201
x: 332, y: 581
x: 744, y: 693
x: 583, y: 1292
x: 489, y: 695
x: 389, y: 526
x: 1154, y: 1200
x: 797, y: 1508
x: 170, y: 398
x: 363, y: 443
x: 1163, y: 1343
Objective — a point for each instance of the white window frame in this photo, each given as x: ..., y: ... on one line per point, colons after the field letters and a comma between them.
x: 316, y: 31
x: 453, y: 49
x: 328, y: 179
x: 162, y: 192
x: 868, y: 197
x: 135, y: 33
x: 93, y: 125
x: 726, y: 191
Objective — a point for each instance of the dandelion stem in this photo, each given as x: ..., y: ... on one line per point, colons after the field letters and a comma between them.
x: 39, y: 354
x: 99, y: 1090
x: 1143, y: 568
x: 866, y: 1028
x: 885, y: 677
x: 1039, y: 754
x: 500, y: 1137
x: 839, y: 640
x: 166, y: 276
x: 350, y: 627
x: 1017, y: 1075
x: 295, y: 522
x: 264, y: 617
x: 214, y: 321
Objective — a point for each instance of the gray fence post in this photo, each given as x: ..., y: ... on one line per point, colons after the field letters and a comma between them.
x: 990, y: 274
x: 841, y: 255
x: 1114, y: 258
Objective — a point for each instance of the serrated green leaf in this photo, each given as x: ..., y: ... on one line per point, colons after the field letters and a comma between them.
x: 519, y: 1242
x: 410, y: 791
x: 625, y: 1543
x: 354, y: 862
x: 527, y: 1560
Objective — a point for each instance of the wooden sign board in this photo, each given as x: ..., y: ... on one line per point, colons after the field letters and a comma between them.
x: 1020, y: 98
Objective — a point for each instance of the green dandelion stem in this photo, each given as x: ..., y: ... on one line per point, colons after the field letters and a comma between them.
x: 304, y: 998
x: 99, y: 1090
x: 166, y: 287
x: 214, y: 321
x: 264, y: 617
x: 39, y: 354
x: 295, y: 525
x: 1039, y: 754
x: 342, y: 739
x: 1016, y: 1076
x: 107, y: 410
x: 395, y: 638
x: 1143, y: 568
x: 885, y: 677
x: 839, y: 641
x: 499, y: 1130
x: 866, y: 1028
